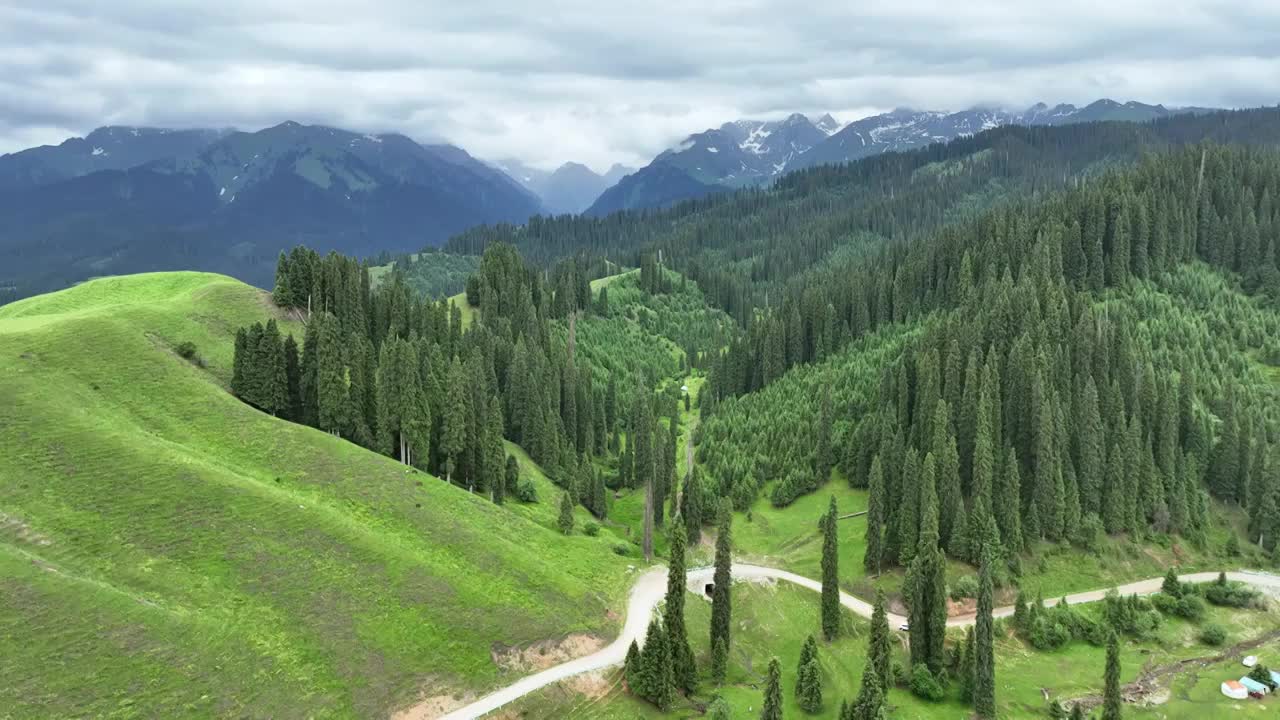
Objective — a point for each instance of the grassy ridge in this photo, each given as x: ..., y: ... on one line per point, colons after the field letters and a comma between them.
x: 166, y: 550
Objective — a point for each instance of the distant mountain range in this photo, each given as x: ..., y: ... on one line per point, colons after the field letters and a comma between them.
x: 746, y: 153
x: 570, y: 188
x: 127, y: 200
x: 123, y: 200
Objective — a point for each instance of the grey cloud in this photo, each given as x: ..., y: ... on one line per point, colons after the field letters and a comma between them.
x: 603, y: 82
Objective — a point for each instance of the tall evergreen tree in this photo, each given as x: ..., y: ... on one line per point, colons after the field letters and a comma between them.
x: 928, y: 623
x: 657, y: 682
x: 684, y: 670
x: 871, y: 698
x: 984, y: 680
x: 565, y: 522
x: 880, y: 645
x: 809, y: 678
x: 293, y: 381
x: 873, y: 556
x: 772, y: 707
x: 454, y: 433
x: 721, y: 611
x: 947, y: 472
x: 1111, y: 700
x: 830, y: 573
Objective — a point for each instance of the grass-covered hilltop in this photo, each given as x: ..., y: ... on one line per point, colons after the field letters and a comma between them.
x: 954, y: 384
x: 169, y: 551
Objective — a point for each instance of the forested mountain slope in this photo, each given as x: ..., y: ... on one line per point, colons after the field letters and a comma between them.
x: 1100, y: 370
x: 181, y: 553
x: 743, y: 248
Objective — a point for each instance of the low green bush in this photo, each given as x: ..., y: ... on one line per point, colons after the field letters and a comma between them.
x: 1213, y: 635
x: 925, y: 685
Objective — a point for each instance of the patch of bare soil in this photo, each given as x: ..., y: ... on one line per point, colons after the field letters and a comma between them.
x: 966, y: 606
x: 1152, y: 685
x: 592, y: 685
x: 429, y: 708
x: 544, y: 654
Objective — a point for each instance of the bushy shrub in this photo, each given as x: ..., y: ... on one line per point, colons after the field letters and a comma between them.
x: 622, y: 549
x: 1090, y: 534
x: 925, y: 685
x: 1191, y: 607
x: 1260, y: 673
x: 188, y: 351
x: 1231, y: 594
x: 592, y: 529
x: 526, y: 491
x: 1213, y: 635
x: 964, y: 587
x: 1047, y: 633
x: 1131, y: 615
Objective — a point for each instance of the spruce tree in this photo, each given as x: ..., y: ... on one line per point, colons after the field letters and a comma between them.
x: 1007, y: 504
x: 1111, y: 701
x: 631, y: 667
x: 809, y: 685
x: 772, y: 707
x: 947, y: 472
x: 880, y: 645
x: 565, y: 522
x: 655, y: 680
x: 808, y: 651
x: 721, y: 611
x: 293, y: 381
x: 876, y: 501
x: 512, y: 474
x: 823, y: 454
x: 684, y: 670
x: 830, y: 573
x: 454, y: 433
x: 871, y: 696
x: 907, y: 535
x: 331, y: 375
x: 720, y: 710
x: 928, y: 582
x: 719, y: 661
x: 967, y: 665
x: 984, y: 674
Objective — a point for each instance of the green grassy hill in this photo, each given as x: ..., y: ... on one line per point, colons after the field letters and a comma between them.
x: 166, y: 550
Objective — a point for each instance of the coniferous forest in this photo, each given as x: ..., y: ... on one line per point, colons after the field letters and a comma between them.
x: 1071, y: 342
x: 629, y: 362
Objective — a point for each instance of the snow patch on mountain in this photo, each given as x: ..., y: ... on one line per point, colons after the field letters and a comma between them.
x: 754, y: 143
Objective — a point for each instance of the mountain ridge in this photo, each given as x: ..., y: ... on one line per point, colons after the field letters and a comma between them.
x: 771, y: 149
x: 232, y: 204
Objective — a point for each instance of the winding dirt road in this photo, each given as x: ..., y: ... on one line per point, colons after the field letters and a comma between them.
x: 651, y: 586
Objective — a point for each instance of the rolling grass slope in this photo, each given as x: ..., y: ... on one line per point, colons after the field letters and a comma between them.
x: 166, y: 550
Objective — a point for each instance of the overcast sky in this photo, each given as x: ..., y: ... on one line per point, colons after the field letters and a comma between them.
x: 602, y: 82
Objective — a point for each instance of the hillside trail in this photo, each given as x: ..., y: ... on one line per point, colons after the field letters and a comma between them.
x: 651, y: 585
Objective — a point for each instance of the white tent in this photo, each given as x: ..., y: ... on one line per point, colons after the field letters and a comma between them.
x: 1250, y: 661
x: 1234, y: 690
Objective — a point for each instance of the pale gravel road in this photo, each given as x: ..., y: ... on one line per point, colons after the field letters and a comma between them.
x: 651, y: 586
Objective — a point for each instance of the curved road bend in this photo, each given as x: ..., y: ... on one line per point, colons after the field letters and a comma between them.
x: 651, y: 587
